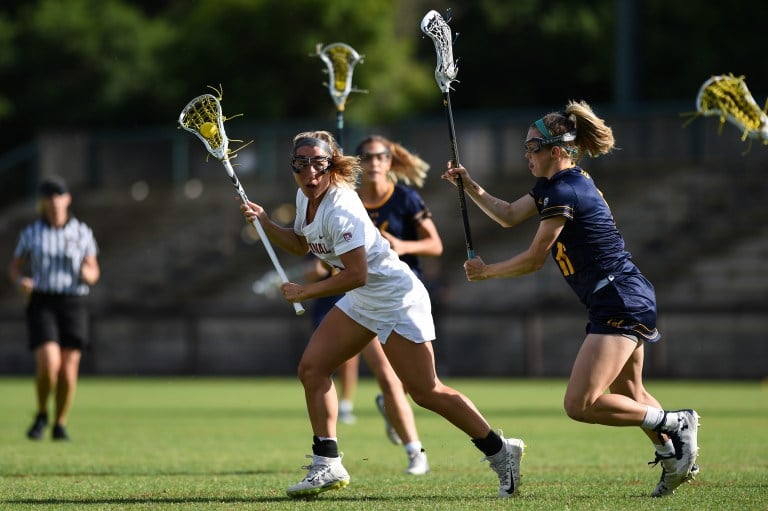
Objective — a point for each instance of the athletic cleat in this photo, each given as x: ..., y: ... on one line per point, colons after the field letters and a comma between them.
x: 680, y: 467
x: 59, y: 433
x: 506, y: 464
x: 388, y: 428
x: 346, y: 417
x: 37, y: 429
x: 417, y: 463
x: 694, y: 472
x: 669, y: 481
x: 324, y: 474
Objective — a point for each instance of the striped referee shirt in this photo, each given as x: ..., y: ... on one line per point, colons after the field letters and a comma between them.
x: 56, y: 255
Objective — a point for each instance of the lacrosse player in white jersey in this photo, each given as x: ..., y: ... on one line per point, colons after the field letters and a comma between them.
x: 382, y: 298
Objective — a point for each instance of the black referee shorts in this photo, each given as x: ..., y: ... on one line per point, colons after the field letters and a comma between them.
x: 60, y: 318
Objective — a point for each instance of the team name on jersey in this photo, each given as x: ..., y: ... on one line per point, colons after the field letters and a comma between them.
x: 318, y: 248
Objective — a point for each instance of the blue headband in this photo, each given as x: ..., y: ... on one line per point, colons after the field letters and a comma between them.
x: 548, y: 138
x: 543, y: 129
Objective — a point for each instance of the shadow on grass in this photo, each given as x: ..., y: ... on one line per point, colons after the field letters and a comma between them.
x: 145, y: 474
x: 144, y: 501
x: 228, y: 500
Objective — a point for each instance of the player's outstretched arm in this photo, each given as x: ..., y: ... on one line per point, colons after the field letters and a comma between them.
x: 506, y: 214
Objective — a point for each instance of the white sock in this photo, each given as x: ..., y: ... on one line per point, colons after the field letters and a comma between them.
x: 413, y: 447
x: 346, y: 406
x: 653, y: 417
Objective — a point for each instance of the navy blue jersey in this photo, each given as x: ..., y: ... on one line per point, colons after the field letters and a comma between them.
x: 590, y: 247
x: 400, y: 214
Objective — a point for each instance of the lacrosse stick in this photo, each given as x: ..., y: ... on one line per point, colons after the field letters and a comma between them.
x: 727, y: 97
x: 438, y: 30
x: 340, y: 59
x: 269, y: 284
x: 202, y: 116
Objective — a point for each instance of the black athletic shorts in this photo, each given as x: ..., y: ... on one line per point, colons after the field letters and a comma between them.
x: 60, y: 318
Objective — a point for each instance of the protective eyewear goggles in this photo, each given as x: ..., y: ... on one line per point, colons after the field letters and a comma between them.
x: 319, y: 163
x: 381, y: 156
x: 534, y: 144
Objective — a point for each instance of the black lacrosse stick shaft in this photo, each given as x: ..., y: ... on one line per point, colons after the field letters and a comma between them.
x: 340, y: 128
x: 459, y: 181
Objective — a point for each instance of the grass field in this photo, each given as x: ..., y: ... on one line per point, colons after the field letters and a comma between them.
x: 216, y: 444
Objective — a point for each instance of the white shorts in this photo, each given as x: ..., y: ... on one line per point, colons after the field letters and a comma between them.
x: 414, y: 322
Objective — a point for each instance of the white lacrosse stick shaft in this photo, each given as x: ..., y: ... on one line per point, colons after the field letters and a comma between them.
x: 259, y: 229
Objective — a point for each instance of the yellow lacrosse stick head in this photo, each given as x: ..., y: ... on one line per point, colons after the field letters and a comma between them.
x: 728, y: 98
x: 340, y: 59
x: 202, y: 116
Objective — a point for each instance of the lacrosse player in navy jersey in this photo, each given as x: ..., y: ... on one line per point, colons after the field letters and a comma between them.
x: 405, y: 221
x: 576, y: 226
x: 382, y: 299
x: 60, y: 253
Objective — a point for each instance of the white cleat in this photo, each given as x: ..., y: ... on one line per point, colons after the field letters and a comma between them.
x: 347, y: 417
x: 506, y: 464
x: 324, y: 474
x: 417, y: 463
x: 680, y: 467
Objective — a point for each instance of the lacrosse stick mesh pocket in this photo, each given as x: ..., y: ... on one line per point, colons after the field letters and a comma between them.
x: 203, y: 110
x: 727, y: 97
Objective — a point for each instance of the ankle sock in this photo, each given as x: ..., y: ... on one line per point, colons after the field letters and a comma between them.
x: 413, y: 447
x: 654, y: 418
x: 346, y: 406
x: 489, y: 445
x: 325, y: 447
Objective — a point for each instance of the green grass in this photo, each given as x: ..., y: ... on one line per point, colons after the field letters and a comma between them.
x: 216, y: 444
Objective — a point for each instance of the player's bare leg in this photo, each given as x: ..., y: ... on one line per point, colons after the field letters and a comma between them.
x: 399, y: 412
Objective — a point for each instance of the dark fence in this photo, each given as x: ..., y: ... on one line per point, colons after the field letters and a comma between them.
x: 696, y: 343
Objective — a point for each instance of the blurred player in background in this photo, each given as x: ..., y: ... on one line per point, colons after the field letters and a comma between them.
x: 60, y: 253
x: 405, y: 221
x: 383, y: 298
x: 577, y: 227
x: 347, y: 373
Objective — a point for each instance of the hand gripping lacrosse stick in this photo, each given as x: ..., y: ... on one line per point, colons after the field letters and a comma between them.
x: 202, y: 116
x: 438, y: 30
x: 727, y: 97
x: 340, y: 59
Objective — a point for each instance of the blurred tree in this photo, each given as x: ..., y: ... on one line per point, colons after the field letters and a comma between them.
x: 689, y: 42
x: 120, y: 63
x: 80, y: 63
x: 263, y: 53
x: 8, y: 56
x: 532, y: 52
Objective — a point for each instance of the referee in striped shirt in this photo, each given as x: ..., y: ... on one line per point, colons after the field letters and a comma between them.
x: 54, y: 265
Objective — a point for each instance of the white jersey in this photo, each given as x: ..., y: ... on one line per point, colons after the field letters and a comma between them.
x: 342, y: 224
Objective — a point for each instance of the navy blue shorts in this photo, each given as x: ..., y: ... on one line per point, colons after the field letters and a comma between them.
x: 60, y: 318
x: 626, y: 305
x: 323, y: 306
